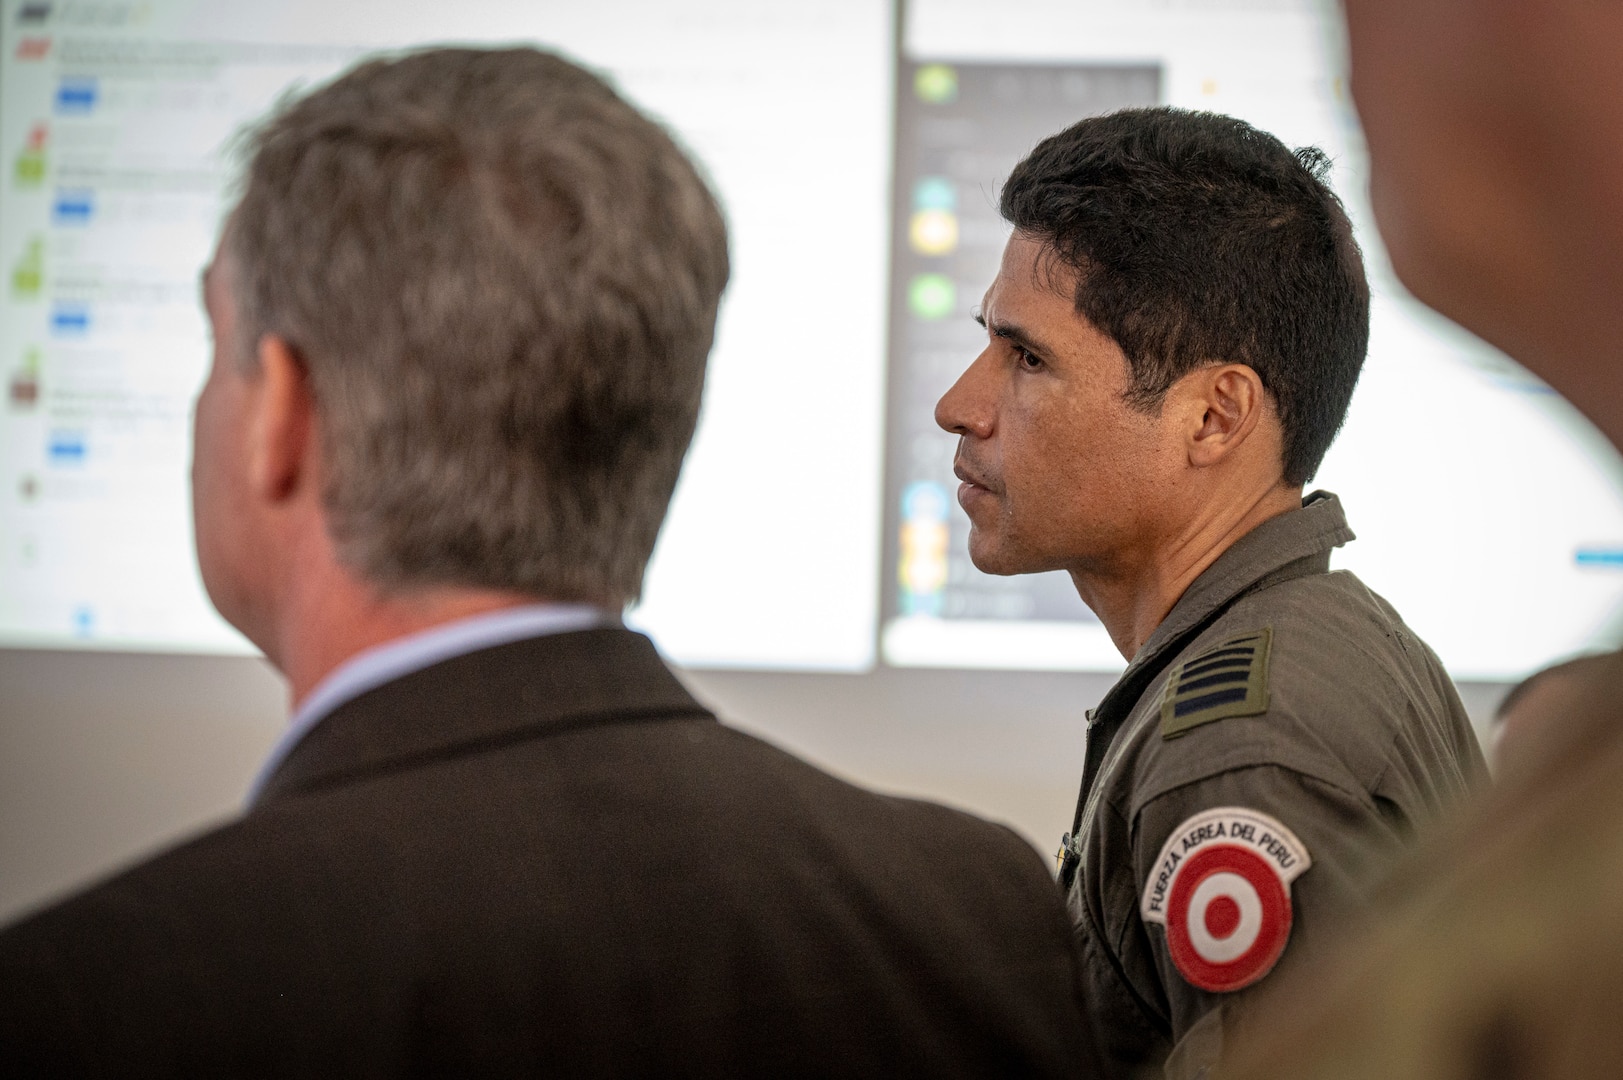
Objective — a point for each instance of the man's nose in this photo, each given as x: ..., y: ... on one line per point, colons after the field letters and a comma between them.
x: 966, y: 408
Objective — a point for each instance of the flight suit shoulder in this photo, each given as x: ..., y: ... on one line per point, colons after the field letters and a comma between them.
x: 1339, y: 646
x: 1271, y: 686
x: 1350, y: 673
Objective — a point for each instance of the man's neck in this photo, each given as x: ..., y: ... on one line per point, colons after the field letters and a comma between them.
x: 330, y: 621
x: 1133, y: 601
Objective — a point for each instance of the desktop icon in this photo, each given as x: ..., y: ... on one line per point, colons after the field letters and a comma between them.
x: 76, y: 96
x: 23, y: 391
x: 936, y: 84
x: 922, y: 568
x: 30, y: 164
x: 28, y: 273
x: 73, y: 206
x: 1605, y: 556
x: 66, y: 447
x: 70, y: 318
x: 931, y: 296
x: 933, y: 232
x: 935, y: 193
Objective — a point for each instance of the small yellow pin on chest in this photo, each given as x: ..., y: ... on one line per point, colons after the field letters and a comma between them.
x: 1228, y: 679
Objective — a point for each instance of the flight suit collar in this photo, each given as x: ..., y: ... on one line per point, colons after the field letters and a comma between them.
x: 1272, y: 550
x: 1290, y: 545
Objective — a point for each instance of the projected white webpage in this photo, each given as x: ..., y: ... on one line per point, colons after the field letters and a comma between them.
x: 1487, y: 510
x: 116, y: 121
x: 815, y: 518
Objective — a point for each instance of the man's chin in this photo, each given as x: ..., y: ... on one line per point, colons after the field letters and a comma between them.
x: 992, y: 557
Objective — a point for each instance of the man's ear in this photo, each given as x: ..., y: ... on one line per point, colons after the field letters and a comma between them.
x: 281, y: 450
x: 1224, y: 404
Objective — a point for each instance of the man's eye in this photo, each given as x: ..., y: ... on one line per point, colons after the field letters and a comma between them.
x: 1027, y: 360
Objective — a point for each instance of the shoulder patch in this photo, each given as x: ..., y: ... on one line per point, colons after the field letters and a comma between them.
x: 1222, y: 889
x: 1228, y: 679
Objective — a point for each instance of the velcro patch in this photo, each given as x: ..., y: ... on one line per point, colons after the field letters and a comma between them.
x: 1222, y: 889
x: 1228, y: 679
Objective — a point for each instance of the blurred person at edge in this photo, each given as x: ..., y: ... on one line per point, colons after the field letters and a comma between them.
x: 1516, y: 735
x: 461, y: 318
x: 1496, y: 145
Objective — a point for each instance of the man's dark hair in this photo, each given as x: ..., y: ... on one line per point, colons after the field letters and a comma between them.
x: 1198, y: 239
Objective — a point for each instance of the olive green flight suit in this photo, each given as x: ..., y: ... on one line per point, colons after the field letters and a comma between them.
x: 1275, y: 692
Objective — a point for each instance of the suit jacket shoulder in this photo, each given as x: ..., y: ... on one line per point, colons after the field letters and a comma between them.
x: 547, y: 856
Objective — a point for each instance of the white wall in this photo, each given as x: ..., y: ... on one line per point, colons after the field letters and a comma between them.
x: 106, y: 757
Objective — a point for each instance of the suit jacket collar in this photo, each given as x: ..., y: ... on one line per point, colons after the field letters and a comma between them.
x: 525, y: 689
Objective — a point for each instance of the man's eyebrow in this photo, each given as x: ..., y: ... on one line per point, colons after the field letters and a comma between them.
x: 1010, y: 332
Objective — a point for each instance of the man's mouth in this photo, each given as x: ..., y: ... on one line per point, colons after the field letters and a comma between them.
x: 971, y: 485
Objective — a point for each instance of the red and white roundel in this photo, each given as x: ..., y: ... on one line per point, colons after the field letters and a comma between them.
x: 1221, y: 887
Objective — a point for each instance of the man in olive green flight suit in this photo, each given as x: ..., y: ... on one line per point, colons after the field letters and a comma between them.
x: 1173, y: 339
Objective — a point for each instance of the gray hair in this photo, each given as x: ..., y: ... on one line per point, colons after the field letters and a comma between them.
x: 503, y: 282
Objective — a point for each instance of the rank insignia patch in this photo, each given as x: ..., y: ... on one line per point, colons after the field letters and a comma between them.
x: 1222, y: 889
x: 1228, y: 679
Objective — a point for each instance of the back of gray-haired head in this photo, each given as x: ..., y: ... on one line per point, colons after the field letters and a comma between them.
x: 503, y: 281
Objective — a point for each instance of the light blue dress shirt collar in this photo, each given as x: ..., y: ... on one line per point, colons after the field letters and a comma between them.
x: 395, y: 659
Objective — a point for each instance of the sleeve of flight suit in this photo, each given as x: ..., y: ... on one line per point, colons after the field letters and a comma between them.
x: 1230, y: 835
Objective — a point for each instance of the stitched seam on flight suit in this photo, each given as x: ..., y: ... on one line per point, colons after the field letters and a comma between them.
x: 1120, y: 747
x: 1410, y: 820
x: 1375, y: 783
x: 1128, y: 924
x: 1100, y: 803
x: 1162, y: 1017
x: 1221, y: 769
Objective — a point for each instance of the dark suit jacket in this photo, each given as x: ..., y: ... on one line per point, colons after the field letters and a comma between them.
x: 547, y: 858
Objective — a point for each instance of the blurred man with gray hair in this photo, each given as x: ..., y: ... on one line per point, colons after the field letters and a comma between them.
x: 461, y: 316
